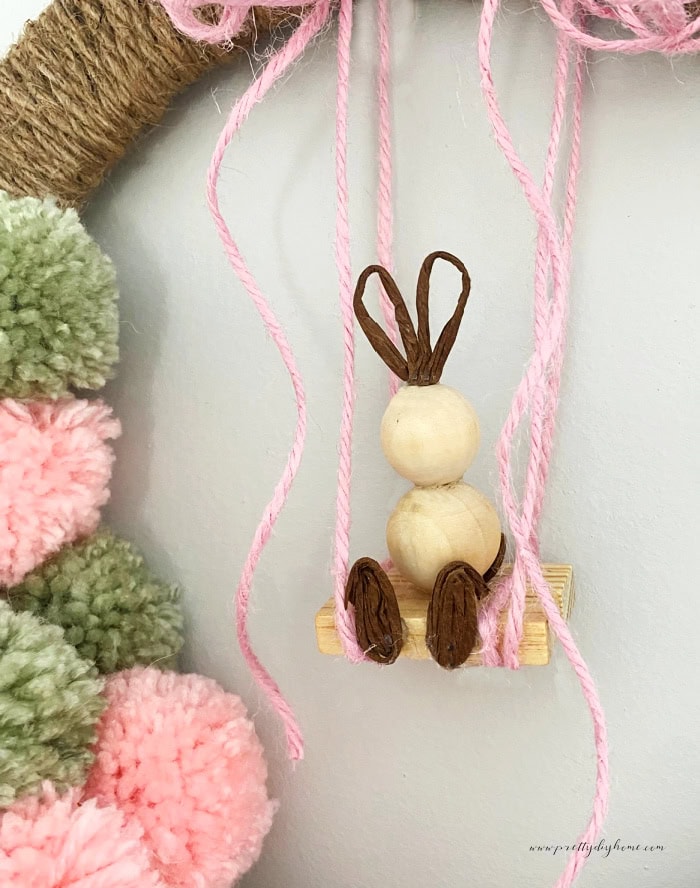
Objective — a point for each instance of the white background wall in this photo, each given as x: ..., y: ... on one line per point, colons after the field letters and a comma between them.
x: 415, y: 777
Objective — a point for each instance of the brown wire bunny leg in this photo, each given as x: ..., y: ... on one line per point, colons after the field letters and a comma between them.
x: 378, y: 623
x: 451, y: 628
x: 452, y: 622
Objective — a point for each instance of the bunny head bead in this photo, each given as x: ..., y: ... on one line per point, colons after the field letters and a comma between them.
x: 430, y: 434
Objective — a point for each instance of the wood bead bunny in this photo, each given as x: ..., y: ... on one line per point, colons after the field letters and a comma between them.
x: 444, y: 535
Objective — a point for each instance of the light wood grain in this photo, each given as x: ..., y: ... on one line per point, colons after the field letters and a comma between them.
x: 536, y: 644
x: 432, y: 526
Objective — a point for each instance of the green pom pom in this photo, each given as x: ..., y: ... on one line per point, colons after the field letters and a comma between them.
x: 58, y: 302
x: 111, y: 607
x: 50, y: 701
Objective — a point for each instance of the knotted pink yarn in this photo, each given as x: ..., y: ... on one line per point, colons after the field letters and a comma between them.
x: 183, y: 14
x: 313, y: 21
x: 663, y: 26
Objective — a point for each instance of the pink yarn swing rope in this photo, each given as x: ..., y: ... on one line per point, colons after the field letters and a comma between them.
x: 537, y: 395
x: 232, y: 16
x: 344, y: 618
x: 653, y: 26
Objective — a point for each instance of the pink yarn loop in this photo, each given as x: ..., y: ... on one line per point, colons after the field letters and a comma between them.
x: 183, y: 14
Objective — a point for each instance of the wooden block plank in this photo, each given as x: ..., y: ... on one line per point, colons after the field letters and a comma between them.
x: 535, y: 646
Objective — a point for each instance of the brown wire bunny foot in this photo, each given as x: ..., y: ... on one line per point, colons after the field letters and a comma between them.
x: 451, y: 627
x: 378, y: 623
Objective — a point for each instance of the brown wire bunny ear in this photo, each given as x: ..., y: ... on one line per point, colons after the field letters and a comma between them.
x: 446, y: 340
x: 378, y: 339
x: 423, y: 364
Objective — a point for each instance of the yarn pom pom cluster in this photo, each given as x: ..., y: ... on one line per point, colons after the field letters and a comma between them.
x: 114, y: 770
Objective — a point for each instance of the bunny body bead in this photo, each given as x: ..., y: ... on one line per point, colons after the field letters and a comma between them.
x: 433, y: 526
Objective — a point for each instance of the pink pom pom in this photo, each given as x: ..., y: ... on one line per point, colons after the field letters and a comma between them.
x: 54, y: 470
x: 179, y: 755
x: 58, y: 843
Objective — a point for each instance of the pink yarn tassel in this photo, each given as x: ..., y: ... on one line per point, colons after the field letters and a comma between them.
x: 538, y: 393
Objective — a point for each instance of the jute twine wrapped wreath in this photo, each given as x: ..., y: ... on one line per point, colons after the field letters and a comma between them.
x: 85, y: 79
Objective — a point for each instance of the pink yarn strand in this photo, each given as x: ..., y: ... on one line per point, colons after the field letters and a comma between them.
x: 554, y: 379
x: 344, y: 618
x: 385, y: 203
x: 539, y: 389
x: 577, y: 860
x: 309, y: 27
x: 385, y: 209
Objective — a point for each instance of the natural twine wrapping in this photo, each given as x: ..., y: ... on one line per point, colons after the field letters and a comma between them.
x: 81, y: 83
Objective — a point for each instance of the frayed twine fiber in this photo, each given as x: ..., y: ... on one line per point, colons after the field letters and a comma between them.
x: 84, y: 79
